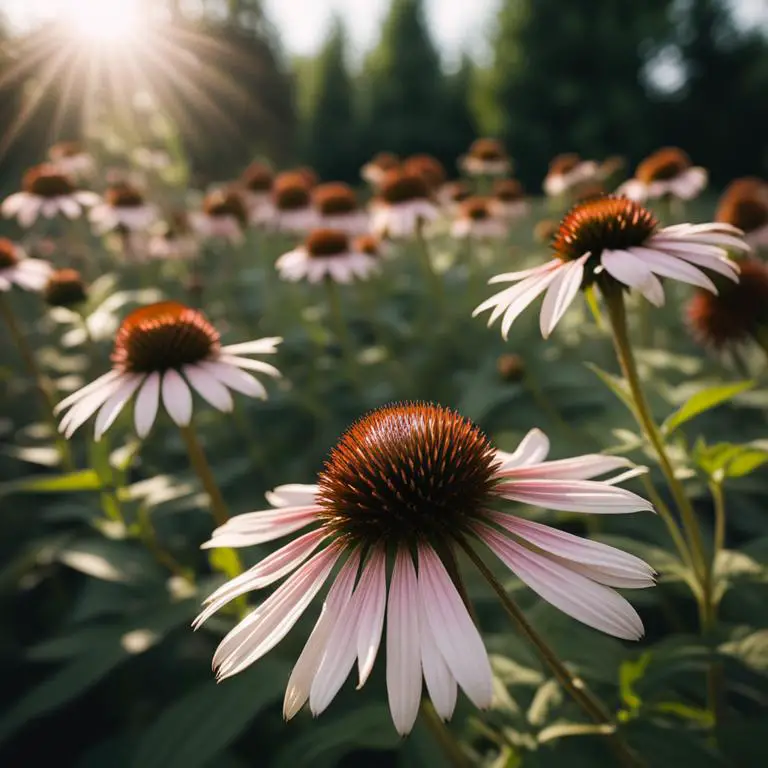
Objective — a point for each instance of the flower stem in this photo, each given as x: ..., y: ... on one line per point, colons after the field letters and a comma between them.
x: 426, y: 262
x: 341, y: 331
x: 203, y: 470
x: 618, y: 316
x: 709, y: 618
x: 575, y: 687
x: 448, y: 744
x: 42, y: 383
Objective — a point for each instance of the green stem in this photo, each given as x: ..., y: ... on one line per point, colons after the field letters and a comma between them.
x: 429, y: 270
x: 617, y: 313
x: 715, y: 682
x: 341, y: 331
x: 448, y: 744
x: 41, y: 382
x: 203, y: 470
x: 574, y: 686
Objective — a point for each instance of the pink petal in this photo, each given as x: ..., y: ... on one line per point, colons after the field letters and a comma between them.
x: 115, y: 404
x: 441, y: 684
x: 578, y: 468
x: 525, y: 299
x: 670, y: 266
x: 632, y: 272
x: 258, y: 527
x: 509, y: 277
x: 372, y: 604
x: 533, y: 449
x: 561, y: 294
x: 292, y: 495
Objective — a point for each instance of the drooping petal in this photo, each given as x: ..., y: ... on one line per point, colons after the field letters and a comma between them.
x: 96, y: 384
x: 372, y: 606
x: 533, y: 449
x: 251, y: 365
x: 577, y: 468
x: 209, y: 388
x: 145, y: 408
x: 453, y: 631
x: 441, y: 684
x: 561, y: 294
x: 115, y: 404
x: 259, y: 527
x: 668, y: 266
x: 235, y: 378
x: 513, y: 277
x: 525, y: 299
x: 403, y: 644
x: 177, y: 398
x: 85, y: 408
x: 292, y: 495
x: 632, y: 272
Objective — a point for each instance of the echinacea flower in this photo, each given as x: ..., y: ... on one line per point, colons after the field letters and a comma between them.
x: 337, y: 208
x: 71, y: 158
x: 486, y: 157
x: 177, y: 239
x: 46, y: 191
x: 744, y: 205
x: 666, y: 172
x: 454, y: 192
x: 403, y: 205
x: 124, y: 208
x: 404, y: 486
x: 224, y: 216
x: 567, y: 171
x: 475, y: 218
x: 429, y: 168
x: 17, y: 269
x: 326, y: 253
x: 615, y: 241
x: 376, y: 169
x: 65, y: 288
x: 257, y: 180
x: 167, y: 349
x: 370, y: 245
x: 735, y: 315
x: 292, y: 209
x: 508, y: 199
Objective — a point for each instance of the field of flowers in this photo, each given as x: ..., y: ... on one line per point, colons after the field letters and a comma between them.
x: 332, y: 438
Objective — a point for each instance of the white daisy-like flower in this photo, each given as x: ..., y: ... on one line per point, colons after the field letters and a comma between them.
x: 71, y: 159
x: 124, y: 208
x: 167, y: 350
x: 326, y: 253
x: 475, y: 218
x: 46, y: 192
x: 486, y: 157
x: 744, y: 205
x: 403, y: 205
x: 337, y: 208
x: 567, y: 171
x: 291, y: 207
x: 667, y: 171
x: 615, y: 240
x: 376, y: 169
x: 224, y: 216
x: 17, y: 269
x: 508, y: 200
x: 406, y: 485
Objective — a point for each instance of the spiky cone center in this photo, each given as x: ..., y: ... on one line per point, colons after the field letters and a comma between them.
x: 325, y: 243
x: 291, y: 196
x: 475, y: 209
x: 563, y: 163
x: 746, y: 209
x: 163, y: 336
x: 47, y: 181
x: 222, y: 204
x: 407, y: 472
x: 367, y: 244
x: 487, y: 150
x: 334, y: 198
x: 605, y: 223
x: 65, y: 288
x: 66, y: 149
x: 9, y: 253
x: 399, y: 187
x: 511, y: 367
x: 428, y: 167
x: 664, y: 164
x: 737, y: 312
x: 258, y: 177
x: 457, y: 191
x: 124, y: 195
x: 508, y: 190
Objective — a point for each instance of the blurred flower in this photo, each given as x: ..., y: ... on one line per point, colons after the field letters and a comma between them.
x: 326, y: 253
x: 154, y: 346
x: 566, y: 171
x: 508, y: 199
x: 454, y: 192
x: 615, y: 240
x: 668, y: 171
x: 589, y: 190
x: 612, y: 167
x: 292, y: 203
x: 407, y: 483
x: 337, y: 208
x: 511, y: 368
x: 429, y: 168
x: 311, y: 179
x: 46, y: 191
x: 257, y: 180
x: 734, y: 315
x: 403, y: 204
x: 65, y: 288
x: 17, y: 269
x: 545, y: 231
x: 744, y: 204
x: 369, y: 244
x: 224, y: 216
x: 124, y: 207
x: 71, y: 159
x: 376, y: 169
x: 176, y: 241
x: 486, y: 157
x: 474, y: 218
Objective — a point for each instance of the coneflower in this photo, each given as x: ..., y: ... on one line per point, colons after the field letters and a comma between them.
x: 71, y: 158
x: 666, y: 172
x: 508, y: 199
x: 337, y: 208
x: 224, y: 216
x: 65, y: 288
x: 125, y: 208
x: 744, y: 205
x: 17, y: 269
x: 475, y: 218
x: 257, y: 180
x: 486, y: 157
x: 404, y: 204
x: 566, y: 171
x: 429, y: 168
x: 376, y: 169
x: 292, y: 209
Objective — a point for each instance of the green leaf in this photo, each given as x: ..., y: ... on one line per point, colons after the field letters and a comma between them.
x: 617, y: 385
x: 124, y: 561
x: 629, y: 673
x: 703, y: 401
x: 204, y: 722
x: 723, y: 460
x: 752, y: 650
x: 561, y: 730
x: 83, y: 480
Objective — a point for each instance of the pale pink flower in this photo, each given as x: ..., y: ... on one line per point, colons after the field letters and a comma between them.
x: 667, y: 171
x: 401, y: 488
x: 567, y: 171
x: 17, y: 269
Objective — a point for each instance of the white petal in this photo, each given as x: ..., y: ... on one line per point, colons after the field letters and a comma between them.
x: 578, y: 468
x: 292, y: 495
x: 177, y: 398
x: 87, y: 390
x: 251, y: 365
x: 112, y: 407
x: 403, y: 644
x: 560, y: 294
x: 85, y: 408
x: 372, y: 605
x: 235, y: 379
x: 441, y: 684
x: 533, y: 449
x: 669, y: 266
x: 259, y: 527
x: 28, y: 212
x: 209, y: 388
x: 13, y: 204
x: 145, y: 408
x: 258, y: 347
x: 632, y: 272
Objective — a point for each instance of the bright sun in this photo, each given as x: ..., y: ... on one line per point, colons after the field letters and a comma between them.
x: 105, y: 21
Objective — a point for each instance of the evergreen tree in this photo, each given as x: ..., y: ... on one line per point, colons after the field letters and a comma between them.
x: 330, y: 145
x: 403, y: 84
x: 459, y: 125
